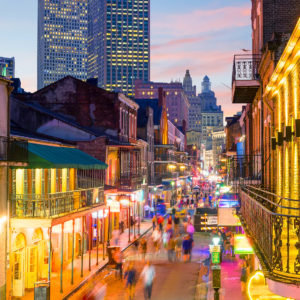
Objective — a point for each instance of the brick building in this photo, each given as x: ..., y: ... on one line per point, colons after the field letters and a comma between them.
x: 177, y: 103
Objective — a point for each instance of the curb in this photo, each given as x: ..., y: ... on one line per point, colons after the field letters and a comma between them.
x: 96, y: 272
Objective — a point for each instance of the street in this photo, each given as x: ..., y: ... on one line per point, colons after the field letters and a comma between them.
x: 173, y: 280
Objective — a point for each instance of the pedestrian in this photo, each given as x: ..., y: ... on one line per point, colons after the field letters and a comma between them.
x: 154, y: 220
x: 143, y: 248
x: 190, y: 229
x: 160, y: 222
x: 118, y: 258
x: 190, y: 248
x: 147, y: 211
x: 243, y: 275
x: 176, y: 224
x: 185, y: 248
x: 171, y: 249
x: 156, y: 237
x: 131, y: 277
x: 148, y: 274
x: 178, y: 247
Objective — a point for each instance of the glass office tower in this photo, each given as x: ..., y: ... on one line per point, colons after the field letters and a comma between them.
x: 119, y: 43
x: 62, y: 40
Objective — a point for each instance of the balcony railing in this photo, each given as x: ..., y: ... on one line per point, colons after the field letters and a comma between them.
x: 130, y: 181
x: 273, y: 222
x: 13, y: 150
x: 158, y: 177
x: 54, y: 205
x: 245, y: 77
x: 244, y: 169
x: 165, y: 157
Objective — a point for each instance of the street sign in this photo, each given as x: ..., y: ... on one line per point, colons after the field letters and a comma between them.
x: 216, y: 272
x: 213, y: 248
x: 215, y: 257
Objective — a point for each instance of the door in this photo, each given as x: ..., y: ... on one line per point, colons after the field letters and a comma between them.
x: 19, y: 273
x: 32, y: 270
x: 43, y: 259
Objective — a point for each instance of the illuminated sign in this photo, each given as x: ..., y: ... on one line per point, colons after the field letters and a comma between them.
x: 227, y: 217
x: 215, y: 257
x: 242, y: 245
x: 212, y: 220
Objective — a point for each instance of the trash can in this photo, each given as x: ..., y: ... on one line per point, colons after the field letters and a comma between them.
x: 42, y: 290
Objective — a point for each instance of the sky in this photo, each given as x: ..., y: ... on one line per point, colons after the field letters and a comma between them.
x: 199, y: 35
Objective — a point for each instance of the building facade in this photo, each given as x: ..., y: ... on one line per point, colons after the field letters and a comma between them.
x: 177, y: 103
x: 267, y: 81
x: 7, y: 67
x: 62, y: 40
x: 218, y: 146
x: 119, y: 43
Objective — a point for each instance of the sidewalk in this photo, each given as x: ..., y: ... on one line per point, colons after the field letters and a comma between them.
x: 230, y: 280
x: 68, y: 288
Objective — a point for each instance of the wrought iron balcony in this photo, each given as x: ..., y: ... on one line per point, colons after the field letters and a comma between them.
x: 244, y: 169
x: 245, y: 77
x: 56, y: 204
x: 130, y: 181
x: 13, y: 150
x: 159, y: 177
x: 273, y: 222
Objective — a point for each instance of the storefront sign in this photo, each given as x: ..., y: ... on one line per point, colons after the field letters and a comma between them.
x: 242, y: 245
x: 215, y: 257
x: 227, y: 217
x: 114, y: 206
x: 213, y: 248
x: 212, y: 220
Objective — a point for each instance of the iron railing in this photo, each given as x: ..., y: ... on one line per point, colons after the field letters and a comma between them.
x: 56, y: 204
x: 244, y: 169
x: 13, y: 150
x: 245, y: 67
x: 273, y: 222
x: 158, y: 177
x: 130, y: 181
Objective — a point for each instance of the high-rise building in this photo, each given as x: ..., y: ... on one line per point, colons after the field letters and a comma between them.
x: 119, y: 43
x: 62, y: 40
x: 7, y: 67
x: 177, y: 102
x: 211, y: 113
x: 194, y: 122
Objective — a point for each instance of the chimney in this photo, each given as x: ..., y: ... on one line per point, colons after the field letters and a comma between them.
x: 161, y: 97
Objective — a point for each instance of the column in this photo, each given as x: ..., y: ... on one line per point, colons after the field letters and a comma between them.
x: 61, y: 257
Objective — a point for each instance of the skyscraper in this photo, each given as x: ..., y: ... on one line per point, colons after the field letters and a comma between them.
x: 62, y: 40
x: 119, y: 43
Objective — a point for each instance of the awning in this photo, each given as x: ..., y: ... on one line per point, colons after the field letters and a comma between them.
x: 46, y: 157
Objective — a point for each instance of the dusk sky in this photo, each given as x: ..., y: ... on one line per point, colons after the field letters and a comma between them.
x: 199, y: 35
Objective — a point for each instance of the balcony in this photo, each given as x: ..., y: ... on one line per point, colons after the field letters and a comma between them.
x: 13, y: 151
x: 130, y: 181
x: 245, y: 78
x: 159, y: 177
x: 244, y: 169
x: 56, y: 204
x: 273, y: 223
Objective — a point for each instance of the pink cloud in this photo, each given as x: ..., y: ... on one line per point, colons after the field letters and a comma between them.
x: 199, y: 21
x: 178, y: 42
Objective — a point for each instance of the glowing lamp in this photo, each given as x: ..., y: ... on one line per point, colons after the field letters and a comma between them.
x: 216, y: 241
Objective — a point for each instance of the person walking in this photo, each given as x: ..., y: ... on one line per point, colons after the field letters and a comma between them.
x: 143, y: 248
x: 160, y: 223
x: 178, y: 247
x: 154, y: 220
x: 148, y: 275
x: 118, y: 258
x: 171, y: 249
x: 186, y: 248
x: 130, y: 276
x: 156, y: 237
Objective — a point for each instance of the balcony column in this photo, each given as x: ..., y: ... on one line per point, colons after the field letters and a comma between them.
x: 103, y: 235
x: 50, y: 254
x: 73, y: 242
x: 109, y: 228
x: 82, y: 245
x: 61, y: 257
x: 90, y: 241
x: 134, y: 218
x: 97, y: 241
x: 129, y: 222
